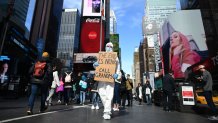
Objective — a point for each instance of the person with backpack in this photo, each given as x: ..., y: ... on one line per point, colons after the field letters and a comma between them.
x: 56, y: 81
x: 68, y: 79
x: 83, y: 89
x: 41, y: 75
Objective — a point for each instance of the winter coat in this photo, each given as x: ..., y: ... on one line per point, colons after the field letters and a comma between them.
x: 168, y: 83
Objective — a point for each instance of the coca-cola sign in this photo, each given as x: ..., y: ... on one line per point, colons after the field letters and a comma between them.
x: 92, y: 35
x: 94, y: 20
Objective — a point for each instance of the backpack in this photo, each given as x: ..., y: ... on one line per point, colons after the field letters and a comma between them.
x: 39, y: 69
x: 68, y: 77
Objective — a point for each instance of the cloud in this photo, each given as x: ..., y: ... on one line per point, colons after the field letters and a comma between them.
x: 123, y: 8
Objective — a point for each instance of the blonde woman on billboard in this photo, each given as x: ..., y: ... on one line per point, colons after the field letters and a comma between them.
x: 181, y: 54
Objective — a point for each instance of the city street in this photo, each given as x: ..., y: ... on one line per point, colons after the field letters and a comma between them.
x: 14, y: 111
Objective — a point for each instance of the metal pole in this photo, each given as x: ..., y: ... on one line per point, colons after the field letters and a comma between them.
x: 3, y: 39
x: 101, y: 26
x: 101, y: 34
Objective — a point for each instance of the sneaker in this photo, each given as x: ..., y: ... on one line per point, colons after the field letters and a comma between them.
x: 59, y: 101
x: 213, y: 118
x: 43, y: 109
x: 97, y: 107
x: 106, y: 116
x: 93, y: 107
x: 29, y: 112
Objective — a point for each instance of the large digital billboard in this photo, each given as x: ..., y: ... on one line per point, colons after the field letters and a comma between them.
x: 90, y: 36
x: 183, y: 41
x: 92, y: 7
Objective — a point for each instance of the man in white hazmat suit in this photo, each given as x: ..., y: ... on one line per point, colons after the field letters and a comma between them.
x: 106, y: 89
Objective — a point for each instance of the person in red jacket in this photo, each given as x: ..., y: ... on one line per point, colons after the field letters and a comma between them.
x: 181, y: 54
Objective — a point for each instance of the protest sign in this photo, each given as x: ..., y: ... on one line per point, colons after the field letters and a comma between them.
x: 107, y: 66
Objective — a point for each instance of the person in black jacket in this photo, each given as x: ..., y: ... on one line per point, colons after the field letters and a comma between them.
x: 43, y: 83
x: 147, y: 90
x: 168, y: 89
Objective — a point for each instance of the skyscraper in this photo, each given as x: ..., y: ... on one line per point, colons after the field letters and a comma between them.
x: 46, y: 25
x: 159, y: 10
x: 113, y: 22
x: 19, y: 12
x: 69, y: 34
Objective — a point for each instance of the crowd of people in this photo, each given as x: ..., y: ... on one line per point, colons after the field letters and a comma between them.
x: 68, y: 87
x: 52, y: 80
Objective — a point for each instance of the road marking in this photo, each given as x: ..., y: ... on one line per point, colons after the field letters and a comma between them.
x: 35, y: 115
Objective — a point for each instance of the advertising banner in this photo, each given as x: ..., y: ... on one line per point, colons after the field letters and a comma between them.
x: 107, y: 66
x: 183, y: 41
x: 90, y: 36
x: 188, y: 95
x: 93, y: 7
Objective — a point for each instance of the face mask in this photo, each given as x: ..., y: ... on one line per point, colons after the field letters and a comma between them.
x: 109, y: 49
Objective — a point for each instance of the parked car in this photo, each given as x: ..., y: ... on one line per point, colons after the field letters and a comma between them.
x: 201, y: 99
x: 91, y: 59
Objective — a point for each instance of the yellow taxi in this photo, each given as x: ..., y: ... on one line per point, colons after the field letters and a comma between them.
x: 201, y: 99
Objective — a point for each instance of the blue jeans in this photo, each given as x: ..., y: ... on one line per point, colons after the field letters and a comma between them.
x: 34, y: 89
x: 95, y: 98
x: 116, y: 98
x: 82, y: 97
x: 148, y: 98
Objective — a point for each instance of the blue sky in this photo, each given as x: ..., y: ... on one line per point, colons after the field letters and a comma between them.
x: 129, y: 15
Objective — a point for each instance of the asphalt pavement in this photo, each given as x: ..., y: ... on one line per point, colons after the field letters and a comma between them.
x: 14, y: 111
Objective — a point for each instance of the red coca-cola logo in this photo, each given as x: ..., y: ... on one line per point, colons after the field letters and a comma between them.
x: 92, y: 35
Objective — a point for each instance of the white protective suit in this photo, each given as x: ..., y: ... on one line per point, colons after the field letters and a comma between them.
x: 106, y: 89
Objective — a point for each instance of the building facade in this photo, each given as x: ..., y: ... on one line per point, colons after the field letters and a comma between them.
x: 68, y: 43
x: 136, y: 68
x: 19, y: 11
x: 159, y: 10
x: 113, y: 23
x: 46, y: 25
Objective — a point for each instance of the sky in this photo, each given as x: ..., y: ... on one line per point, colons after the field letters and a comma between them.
x: 129, y: 15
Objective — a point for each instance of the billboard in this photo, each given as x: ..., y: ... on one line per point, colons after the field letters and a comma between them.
x: 90, y: 36
x: 183, y: 41
x: 93, y: 7
x: 114, y: 39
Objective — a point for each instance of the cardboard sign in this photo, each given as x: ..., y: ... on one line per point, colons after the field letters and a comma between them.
x: 107, y: 66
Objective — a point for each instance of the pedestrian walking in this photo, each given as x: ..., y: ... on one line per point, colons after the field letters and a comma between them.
x: 77, y: 87
x: 68, y: 81
x: 123, y: 89
x: 106, y: 89
x: 116, y: 98
x: 94, y: 93
x: 168, y: 89
x: 56, y: 64
x: 129, y: 87
x: 147, y: 89
x: 41, y: 75
x: 207, y: 90
x: 83, y: 89
x: 139, y: 93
